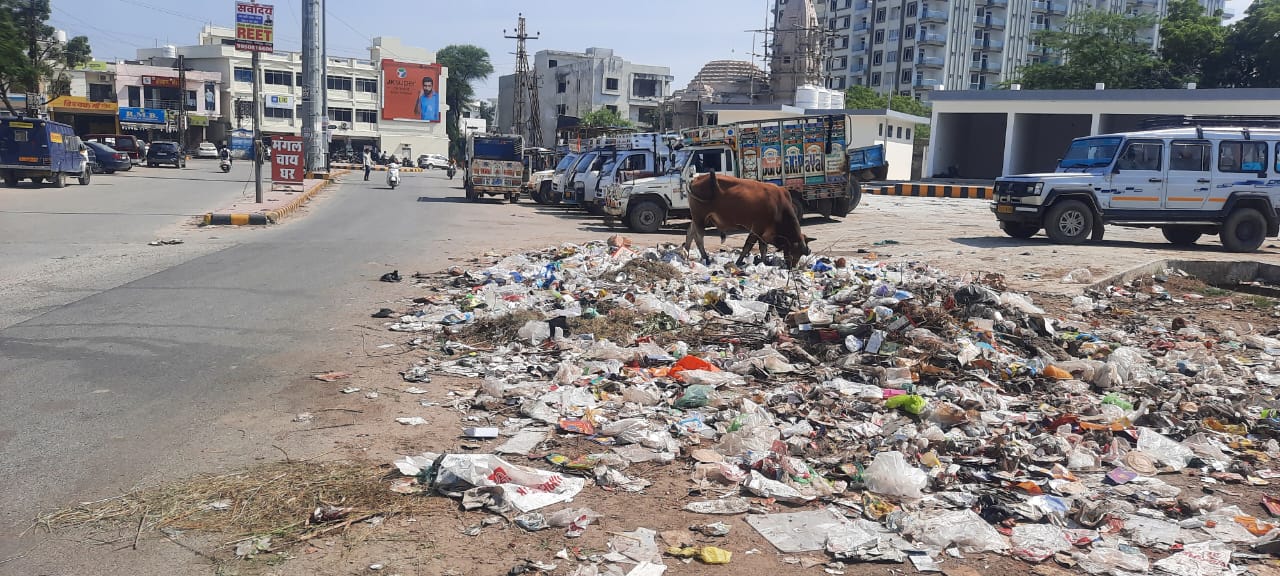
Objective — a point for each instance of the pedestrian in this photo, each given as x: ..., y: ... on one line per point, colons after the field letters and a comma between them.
x: 368, y: 163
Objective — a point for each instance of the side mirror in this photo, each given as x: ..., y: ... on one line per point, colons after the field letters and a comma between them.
x: 1115, y: 169
x: 1058, y: 162
x: 1262, y: 174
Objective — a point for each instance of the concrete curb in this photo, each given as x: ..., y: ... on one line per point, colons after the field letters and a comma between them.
x: 935, y: 191
x: 382, y: 168
x: 270, y: 216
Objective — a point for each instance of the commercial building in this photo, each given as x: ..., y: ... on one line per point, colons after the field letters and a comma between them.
x: 911, y: 47
x: 986, y: 134
x: 361, y: 112
x: 572, y: 84
x: 133, y: 97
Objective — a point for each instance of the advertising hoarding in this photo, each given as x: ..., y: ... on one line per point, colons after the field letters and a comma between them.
x: 286, y: 163
x: 411, y: 91
x: 255, y: 27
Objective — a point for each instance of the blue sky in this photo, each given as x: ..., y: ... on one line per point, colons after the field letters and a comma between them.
x: 682, y: 35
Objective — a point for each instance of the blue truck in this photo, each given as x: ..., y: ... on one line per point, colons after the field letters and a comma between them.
x: 41, y: 150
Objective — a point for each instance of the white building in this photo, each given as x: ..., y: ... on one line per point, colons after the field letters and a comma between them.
x: 353, y: 88
x: 572, y: 84
x: 910, y: 47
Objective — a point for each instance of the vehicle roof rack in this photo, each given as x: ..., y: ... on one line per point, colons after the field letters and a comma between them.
x: 1200, y: 121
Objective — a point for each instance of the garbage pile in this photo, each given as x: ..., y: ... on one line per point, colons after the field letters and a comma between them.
x: 877, y: 411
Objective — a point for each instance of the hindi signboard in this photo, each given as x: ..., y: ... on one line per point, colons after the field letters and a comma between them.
x: 255, y: 27
x: 286, y: 163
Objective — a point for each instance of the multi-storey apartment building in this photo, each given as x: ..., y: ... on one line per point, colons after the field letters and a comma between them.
x: 909, y: 47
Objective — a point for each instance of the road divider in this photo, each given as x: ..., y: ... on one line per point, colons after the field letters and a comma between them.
x: 923, y: 190
x: 282, y: 207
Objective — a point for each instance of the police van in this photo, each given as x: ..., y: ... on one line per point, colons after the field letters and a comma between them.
x: 1218, y: 176
x: 42, y: 150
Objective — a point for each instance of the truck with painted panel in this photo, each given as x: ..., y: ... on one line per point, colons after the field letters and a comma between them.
x: 494, y: 166
x: 41, y: 150
x: 806, y: 155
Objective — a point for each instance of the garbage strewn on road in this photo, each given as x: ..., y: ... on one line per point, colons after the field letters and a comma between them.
x: 869, y: 410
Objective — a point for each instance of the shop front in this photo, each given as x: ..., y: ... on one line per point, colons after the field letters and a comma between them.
x: 85, y: 116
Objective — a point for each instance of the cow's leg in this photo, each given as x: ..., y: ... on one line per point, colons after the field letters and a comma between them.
x: 746, y: 248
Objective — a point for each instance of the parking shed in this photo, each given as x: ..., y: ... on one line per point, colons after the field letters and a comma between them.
x: 984, y: 134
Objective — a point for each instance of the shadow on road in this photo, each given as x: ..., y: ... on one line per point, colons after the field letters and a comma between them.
x: 1042, y: 242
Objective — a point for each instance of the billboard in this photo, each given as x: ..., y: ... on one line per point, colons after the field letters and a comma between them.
x: 286, y: 163
x: 142, y: 115
x: 286, y: 101
x: 411, y: 91
x: 255, y: 27
x: 161, y: 82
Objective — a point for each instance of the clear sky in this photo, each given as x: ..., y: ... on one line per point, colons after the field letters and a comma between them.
x: 680, y: 34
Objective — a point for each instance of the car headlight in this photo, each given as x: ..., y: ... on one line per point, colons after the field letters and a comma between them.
x: 1039, y: 188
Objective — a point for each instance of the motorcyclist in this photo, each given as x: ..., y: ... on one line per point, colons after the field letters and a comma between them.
x: 453, y: 168
x: 224, y: 153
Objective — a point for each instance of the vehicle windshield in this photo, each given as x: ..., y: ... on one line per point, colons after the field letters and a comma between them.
x: 682, y: 158
x: 585, y: 164
x: 1091, y: 152
x: 566, y: 162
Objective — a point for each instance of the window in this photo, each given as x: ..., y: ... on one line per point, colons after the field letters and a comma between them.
x: 713, y: 160
x: 610, y: 83
x: 880, y: 130
x: 561, y: 87
x: 911, y: 10
x: 875, y: 78
x: 1189, y: 156
x: 644, y: 88
x: 877, y: 58
x: 880, y: 15
x: 552, y: 63
x: 367, y: 85
x: 561, y: 109
x: 101, y: 93
x: 135, y: 96
x: 908, y: 54
x: 340, y: 114
x: 844, y: 23
x: 1141, y: 156
x: 277, y: 78
x: 367, y: 116
x: 893, y: 56
x: 909, y: 32
x: 282, y: 113
x: 298, y: 78
x: 879, y: 37
x: 611, y: 108
x: 908, y: 134
x: 906, y: 76
x: 243, y: 74
x: 977, y: 58
x: 899, y: 132
x: 1242, y: 157
x: 786, y: 59
x: 338, y: 82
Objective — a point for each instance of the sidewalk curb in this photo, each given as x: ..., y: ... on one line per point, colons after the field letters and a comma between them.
x: 270, y: 216
x: 935, y: 191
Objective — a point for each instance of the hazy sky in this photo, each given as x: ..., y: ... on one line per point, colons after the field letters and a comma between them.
x: 682, y: 35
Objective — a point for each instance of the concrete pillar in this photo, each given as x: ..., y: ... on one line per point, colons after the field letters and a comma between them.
x: 1009, y: 144
x: 1095, y: 125
x: 931, y: 153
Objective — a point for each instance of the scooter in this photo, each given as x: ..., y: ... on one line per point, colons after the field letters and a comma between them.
x: 225, y: 165
x: 451, y: 172
x: 393, y: 175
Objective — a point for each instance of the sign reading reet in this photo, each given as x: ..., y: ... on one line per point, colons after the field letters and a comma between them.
x: 255, y: 27
x: 286, y: 163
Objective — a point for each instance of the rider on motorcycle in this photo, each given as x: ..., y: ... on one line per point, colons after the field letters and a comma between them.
x: 225, y: 154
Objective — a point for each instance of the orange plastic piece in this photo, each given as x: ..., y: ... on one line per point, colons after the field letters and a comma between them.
x: 1056, y: 373
x: 691, y: 363
x: 1254, y: 526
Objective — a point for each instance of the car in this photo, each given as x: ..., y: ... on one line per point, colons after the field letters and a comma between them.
x: 166, y: 153
x: 108, y: 160
x: 131, y: 145
x: 206, y: 150
x: 428, y: 161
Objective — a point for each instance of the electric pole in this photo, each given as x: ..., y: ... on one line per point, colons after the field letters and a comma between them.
x: 313, y: 85
x: 525, y: 118
x: 258, y: 148
x: 182, y: 105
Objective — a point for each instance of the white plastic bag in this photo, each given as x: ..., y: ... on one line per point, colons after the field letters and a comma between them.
x: 1170, y: 453
x: 891, y: 475
x: 526, y: 488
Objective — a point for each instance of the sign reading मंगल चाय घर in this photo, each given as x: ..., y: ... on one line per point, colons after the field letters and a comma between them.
x: 286, y: 163
x: 255, y: 27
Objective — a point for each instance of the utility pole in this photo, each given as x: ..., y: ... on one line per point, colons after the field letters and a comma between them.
x: 525, y: 118
x: 313, y: 85
x: 258, y: 148
x: 182, y: 102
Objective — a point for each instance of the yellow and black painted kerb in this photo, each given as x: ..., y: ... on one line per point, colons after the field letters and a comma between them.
x: 936, y: 191
x: 236, y: 220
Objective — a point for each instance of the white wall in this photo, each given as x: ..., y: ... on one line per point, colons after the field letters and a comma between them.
x: 872, y: 130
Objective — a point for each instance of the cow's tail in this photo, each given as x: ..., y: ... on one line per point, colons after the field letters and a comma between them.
x: 708, y: 193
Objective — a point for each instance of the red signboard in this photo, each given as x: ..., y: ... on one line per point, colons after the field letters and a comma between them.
x: 287, y: 168
x: 410, y: 91
x: 161, y: 82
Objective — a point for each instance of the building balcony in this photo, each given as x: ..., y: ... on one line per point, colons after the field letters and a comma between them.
x: 860, y: 27
x: 927, y: 83
x: 857, y: 68
x: 931, y: 38
x: 988, y: 22
x: 934, y: 16
x: 862, y: 5
x: 1039, y: 26
x: 997, y: 3
x: 985, y: 67
x: 930, y: 62
x: 1059, y: 9
x: 988, y: 44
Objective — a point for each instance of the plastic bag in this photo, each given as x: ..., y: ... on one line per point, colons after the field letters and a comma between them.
x: 1107, y: 558
x: 1166, y: 451
x: 891, y: 475
x: 911, y: 403
x: 526, y: 488
x: 535, y: 331
x: 1036, y: 542
x: 713, y: 379
x: 696, y: 396
x: 1078, y: 276
x: 962, y: 528
x: 765, y: 488
x: 1019, y: 302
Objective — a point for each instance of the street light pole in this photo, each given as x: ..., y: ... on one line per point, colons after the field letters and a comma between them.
x: 258, y: 148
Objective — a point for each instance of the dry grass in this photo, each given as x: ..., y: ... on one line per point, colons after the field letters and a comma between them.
x: 643, y: 271
x: 500, y: 329
x: 618, y: 326
x: 271, y: 499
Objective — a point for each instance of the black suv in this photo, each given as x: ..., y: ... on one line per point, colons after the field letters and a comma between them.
x: 166, y: 153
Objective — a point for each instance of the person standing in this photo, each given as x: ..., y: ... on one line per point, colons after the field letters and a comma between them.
x: 368, y: 163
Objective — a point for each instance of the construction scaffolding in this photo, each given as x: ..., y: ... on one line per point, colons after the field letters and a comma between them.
x: 525, y: 117
x: 794, y: 49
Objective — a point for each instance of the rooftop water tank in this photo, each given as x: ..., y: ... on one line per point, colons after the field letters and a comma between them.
x: 808, y: 97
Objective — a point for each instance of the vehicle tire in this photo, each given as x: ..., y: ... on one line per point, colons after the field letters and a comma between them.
x: 1069, y: 222
x: 826, y: 207
x: 151, y: 165
x: 37, y: 180
x: 59, y: 180
x: 513, y: 198
x: 646, y: 217
x: 471, y: 193
x: 544, y: 192
x: 1019, y: 229
x: 843, y: 206
x: 84, y: 178
x: 1181, y: 235
x: 1244, y: 230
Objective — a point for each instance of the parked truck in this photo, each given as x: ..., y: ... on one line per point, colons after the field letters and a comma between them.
x: 493, y: 166
x: 806, y: 155
x: 41, y: 150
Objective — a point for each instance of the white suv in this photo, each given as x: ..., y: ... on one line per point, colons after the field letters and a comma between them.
x: 1187, y: 181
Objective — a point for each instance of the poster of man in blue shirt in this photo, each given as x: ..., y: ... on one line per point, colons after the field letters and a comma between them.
x: 428, y: 105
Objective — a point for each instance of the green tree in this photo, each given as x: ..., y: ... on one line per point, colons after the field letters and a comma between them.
x: 486, y: 112
x: 605, y: 118
x: 29, y: 53
x: 1251, y: 57
x: 466, y: 64
x: 1098, y: 46
x: 864, y: 98
x: 1193, y: 43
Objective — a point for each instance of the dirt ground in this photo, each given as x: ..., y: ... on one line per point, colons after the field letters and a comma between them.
x: 958, y: 236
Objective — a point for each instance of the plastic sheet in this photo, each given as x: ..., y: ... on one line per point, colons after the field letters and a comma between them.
x: 891, y: 475
x: 526, y: 488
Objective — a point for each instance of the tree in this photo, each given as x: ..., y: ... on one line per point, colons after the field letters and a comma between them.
x: 466, y: 64
x: 486, y: 112
x: 864, y: 98
x: 1193, y: 43
x: 1251, y: 57
x: 605, y: 118
x: 1098, y: 46
x: 30, y: 53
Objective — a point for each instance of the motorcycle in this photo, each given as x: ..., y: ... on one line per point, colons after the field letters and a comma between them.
x: 225, y: 165
x: 393, y: 175
x: 451, y: 171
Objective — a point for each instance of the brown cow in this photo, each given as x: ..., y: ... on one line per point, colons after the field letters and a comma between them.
x: 764, y: 210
